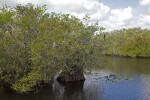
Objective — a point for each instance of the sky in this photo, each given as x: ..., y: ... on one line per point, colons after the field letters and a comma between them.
x: 111, y: 14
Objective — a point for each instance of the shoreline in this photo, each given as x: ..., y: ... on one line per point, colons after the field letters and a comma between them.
x: 123, y: 56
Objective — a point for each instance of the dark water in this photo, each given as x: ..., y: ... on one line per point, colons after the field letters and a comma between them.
x: 133, y: 84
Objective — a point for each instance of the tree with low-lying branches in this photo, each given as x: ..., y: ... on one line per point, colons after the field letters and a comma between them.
x: 35, y: 45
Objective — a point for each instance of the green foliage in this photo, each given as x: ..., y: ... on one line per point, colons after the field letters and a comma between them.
x: 35, y: 45
x: 133, y: 42
x: 6, y: 19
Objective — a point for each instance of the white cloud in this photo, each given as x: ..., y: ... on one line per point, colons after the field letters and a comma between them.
x: 121, y: 15
x: 145, y: 20
x: 66, y: 2
x: 145, y: 2
x: 111, y: 19
x: 118, y: 18
x: 97, y: 10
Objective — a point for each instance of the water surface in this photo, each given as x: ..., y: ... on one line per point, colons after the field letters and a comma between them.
x: 133, y: 84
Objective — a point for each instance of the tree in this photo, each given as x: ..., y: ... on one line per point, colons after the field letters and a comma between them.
x: 36, y: 45
x: 133, y: 42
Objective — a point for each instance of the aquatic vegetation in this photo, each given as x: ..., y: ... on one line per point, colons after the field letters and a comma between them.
x: 128, y: 78
x: 115, y: 78
x: 112, y: 78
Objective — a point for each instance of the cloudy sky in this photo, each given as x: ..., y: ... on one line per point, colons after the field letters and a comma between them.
x: 111, y: 14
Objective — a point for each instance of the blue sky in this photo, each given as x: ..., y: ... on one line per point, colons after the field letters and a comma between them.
x: 115, y: 4
x: 111, y: 14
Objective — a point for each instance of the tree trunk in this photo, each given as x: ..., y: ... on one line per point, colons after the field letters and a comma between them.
x: 70, y: 76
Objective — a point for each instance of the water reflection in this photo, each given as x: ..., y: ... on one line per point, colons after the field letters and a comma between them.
x: 46, y: 93
x: 126, y: 66
x: 95, y: 86
x: 74, y: 91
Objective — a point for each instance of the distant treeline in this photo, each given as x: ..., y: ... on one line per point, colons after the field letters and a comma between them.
x: 133, y: 42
